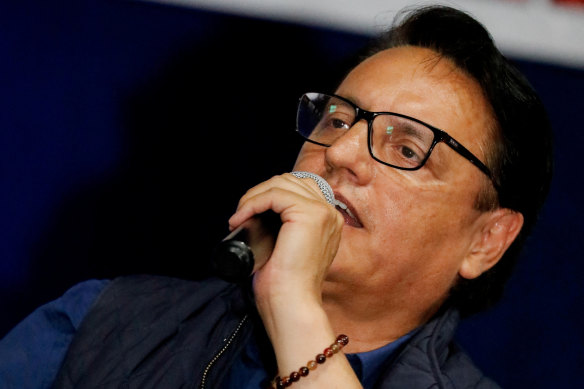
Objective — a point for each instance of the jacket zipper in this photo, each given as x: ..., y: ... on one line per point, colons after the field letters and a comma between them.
x: 221, y: 352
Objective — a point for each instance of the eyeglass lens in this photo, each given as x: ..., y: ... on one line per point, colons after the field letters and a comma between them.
x: 395, y: 140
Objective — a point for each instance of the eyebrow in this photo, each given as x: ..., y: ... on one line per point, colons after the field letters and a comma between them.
x: 352, y: 99
x: 340, y: 106
x: 409, y: 129
x: 355, y: 100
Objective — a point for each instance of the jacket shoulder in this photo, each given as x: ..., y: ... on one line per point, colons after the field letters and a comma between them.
x: 145, y: 329
x: 461, y: 372
x: 433, y: 360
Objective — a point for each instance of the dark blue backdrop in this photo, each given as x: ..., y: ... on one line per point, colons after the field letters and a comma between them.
x: 129, y: 130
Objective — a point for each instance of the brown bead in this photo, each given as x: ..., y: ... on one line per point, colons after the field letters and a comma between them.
x: 342, y: 340
x: 335, y: 347
x: 279, y: 383
x: 320, y: 358
x: 286, y: 382
x: 328, y: 352
x: 311, y: 365
x: 294, y: 376
x: 303, y: 371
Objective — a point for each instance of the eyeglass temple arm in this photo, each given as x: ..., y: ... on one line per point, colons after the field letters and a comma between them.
x: 460, y: 149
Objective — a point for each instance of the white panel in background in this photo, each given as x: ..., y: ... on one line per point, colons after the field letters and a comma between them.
x: 529, y: 29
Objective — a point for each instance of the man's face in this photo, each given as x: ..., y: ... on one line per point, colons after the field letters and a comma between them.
x: 414, y: 228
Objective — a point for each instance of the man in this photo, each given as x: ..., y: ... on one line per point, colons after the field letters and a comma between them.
x: 440, y: 154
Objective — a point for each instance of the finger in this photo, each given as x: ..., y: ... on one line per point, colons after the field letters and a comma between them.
x: 323, y: 186
x: 305, y: 187
x: 284, y: 181
x: 276, y: 198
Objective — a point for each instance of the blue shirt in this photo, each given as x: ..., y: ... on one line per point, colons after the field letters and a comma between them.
x: 31, y: 354
x: 366, y: 366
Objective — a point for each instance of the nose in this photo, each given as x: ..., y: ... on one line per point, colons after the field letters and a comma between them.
x: 349, y: 154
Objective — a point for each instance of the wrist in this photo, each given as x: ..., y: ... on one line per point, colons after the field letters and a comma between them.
x: 334, y: 348
x: 295, y: 332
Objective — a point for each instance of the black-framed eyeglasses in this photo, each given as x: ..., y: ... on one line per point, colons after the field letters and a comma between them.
x: 395, y: 140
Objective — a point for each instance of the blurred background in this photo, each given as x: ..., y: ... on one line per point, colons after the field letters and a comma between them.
x: 129, y: 130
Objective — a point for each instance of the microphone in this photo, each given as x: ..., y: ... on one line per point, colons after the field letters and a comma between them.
x: 251, y: 244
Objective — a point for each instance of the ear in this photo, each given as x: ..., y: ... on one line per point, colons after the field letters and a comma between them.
x: 499, y: 229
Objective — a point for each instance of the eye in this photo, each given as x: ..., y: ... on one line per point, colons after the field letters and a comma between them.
x: 409, y: 153
x: 338, y: 124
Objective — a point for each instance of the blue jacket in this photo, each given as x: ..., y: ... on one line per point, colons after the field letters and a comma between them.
x: 158, y: 332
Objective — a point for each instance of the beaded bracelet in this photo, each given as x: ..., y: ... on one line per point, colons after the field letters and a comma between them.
x: 328, y: 352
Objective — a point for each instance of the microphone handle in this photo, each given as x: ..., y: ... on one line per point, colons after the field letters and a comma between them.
x: 250, y: 245
x: 247, y: 248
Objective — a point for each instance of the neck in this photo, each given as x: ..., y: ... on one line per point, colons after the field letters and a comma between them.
x: 371, y: 323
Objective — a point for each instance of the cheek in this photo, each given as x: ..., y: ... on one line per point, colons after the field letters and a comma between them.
x: 415, y: 227
x: 311, y: 158
x: 394, y: 229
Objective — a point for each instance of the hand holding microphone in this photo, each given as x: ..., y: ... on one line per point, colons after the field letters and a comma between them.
x: 250, y: 245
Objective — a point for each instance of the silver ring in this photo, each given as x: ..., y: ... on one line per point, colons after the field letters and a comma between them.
x: 324, y: 186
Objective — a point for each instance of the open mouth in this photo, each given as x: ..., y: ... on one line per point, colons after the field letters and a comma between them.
x: 350, y: 218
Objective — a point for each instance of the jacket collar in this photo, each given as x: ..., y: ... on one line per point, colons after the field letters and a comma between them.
x: 420, y: 362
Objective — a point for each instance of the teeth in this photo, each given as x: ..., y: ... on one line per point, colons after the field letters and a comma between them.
x: 344, y: 207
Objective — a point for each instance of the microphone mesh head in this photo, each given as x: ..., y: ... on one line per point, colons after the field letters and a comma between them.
x: 324, y: 186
